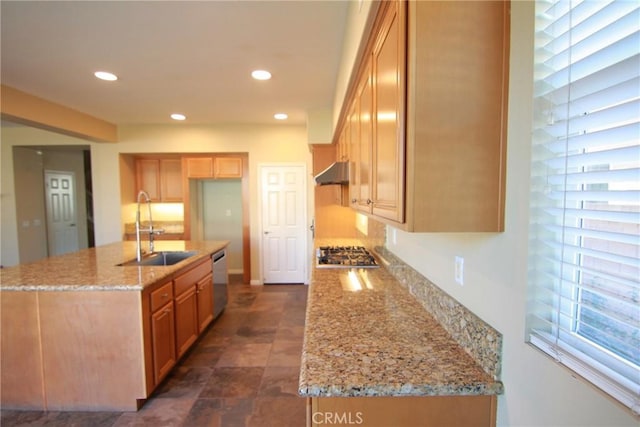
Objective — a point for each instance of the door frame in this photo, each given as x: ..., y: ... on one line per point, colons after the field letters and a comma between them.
x: 305, y: 265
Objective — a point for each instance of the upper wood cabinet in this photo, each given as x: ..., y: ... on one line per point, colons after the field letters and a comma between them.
x: 458, y: 86
x: 360, y: 122
x: 439, y: 87
x: 148, y: 178
x: 227, y: 167
x: 160, y: 178
x: 198, y: 167
x: 388, y: 82
x: 217, y: 167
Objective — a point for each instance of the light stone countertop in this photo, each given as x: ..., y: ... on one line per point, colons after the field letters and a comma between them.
x: 379, y: 341
x: 96, y: 269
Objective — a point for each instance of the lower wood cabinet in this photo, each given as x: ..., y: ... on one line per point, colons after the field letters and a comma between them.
x: 204, y: 294
x: 99, y: 350
x: 188, y: 301
x: 163, y: 341
x: 186, y: 320
x: 178, y: 311
x: 428, y: 411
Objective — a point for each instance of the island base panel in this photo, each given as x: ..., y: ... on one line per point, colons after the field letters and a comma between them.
x: 21, y: 379
x: 92, y: 350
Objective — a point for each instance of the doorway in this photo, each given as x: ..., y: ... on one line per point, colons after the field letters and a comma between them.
x: 62, y: 221
x: 283, y: 223
x: 221, y: 217
x: 30, y: 164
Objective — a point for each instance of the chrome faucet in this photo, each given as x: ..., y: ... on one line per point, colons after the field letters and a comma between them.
x: 149, y: 230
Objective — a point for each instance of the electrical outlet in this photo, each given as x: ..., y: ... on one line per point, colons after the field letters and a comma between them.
x: 459, y: 270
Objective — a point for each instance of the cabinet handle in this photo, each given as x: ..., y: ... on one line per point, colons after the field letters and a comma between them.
x: 167, y: 311
x: 165, y: 295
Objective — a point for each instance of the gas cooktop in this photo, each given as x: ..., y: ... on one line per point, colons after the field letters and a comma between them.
x: 344, y: 257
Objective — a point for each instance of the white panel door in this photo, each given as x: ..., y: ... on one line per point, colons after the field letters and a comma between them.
x: 62, y: 230
x: 283, y: 192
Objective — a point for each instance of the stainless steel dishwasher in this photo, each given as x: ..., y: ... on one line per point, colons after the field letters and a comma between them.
x: 220, y: 282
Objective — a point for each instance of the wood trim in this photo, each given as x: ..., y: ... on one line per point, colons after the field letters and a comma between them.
x: 30, y: 110
x: 147, y: 338
x: 246, y: 224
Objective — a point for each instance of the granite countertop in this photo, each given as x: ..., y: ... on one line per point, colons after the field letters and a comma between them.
x: 96, y: 269
x: 379, y: 341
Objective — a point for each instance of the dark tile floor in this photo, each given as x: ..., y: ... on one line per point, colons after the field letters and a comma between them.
x: 243, y: 372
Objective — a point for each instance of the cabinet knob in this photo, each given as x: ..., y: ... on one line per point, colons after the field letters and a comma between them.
x: 353, y: 200
x: 165, y: 295
x: 368, y: 201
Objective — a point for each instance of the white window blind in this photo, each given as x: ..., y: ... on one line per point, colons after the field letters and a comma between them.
x: 584, y: 305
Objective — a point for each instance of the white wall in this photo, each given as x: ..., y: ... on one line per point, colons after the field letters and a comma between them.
x: 538, y: 392
x: 10, y: 137
x: 265, y: 144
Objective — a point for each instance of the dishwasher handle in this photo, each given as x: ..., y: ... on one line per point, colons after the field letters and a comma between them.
x: 218, y: 256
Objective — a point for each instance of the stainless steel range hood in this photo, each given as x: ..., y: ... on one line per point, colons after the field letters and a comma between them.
x: 336, y: 174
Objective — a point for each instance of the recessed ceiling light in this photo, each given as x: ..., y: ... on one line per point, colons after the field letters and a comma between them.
x: 176, y: 116
x: 104, y: 75
x: 280, y: 116
x: 261, y: 75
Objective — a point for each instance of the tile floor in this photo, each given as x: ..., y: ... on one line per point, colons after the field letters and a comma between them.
x: 243, y: 372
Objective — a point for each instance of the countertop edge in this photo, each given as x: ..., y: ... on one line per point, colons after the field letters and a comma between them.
x: 394, y: 388
x: 67, y: 273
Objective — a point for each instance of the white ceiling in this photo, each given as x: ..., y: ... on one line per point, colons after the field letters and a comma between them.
x: 192, y: 57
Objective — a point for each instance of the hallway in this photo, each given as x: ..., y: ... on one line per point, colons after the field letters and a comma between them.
x: 243, y: 372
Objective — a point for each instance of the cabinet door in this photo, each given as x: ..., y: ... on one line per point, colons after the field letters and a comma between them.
x: 362, y: 129
x: 388, y: 142
x: 205, y: 302
x: 171, y: 180
x: 198, y: 167
x: 148, y: 178
x: 163, y: 341
x: 227, y: 167
x: 186, y: 320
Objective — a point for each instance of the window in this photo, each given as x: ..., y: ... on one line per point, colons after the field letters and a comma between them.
x: 584, y: 305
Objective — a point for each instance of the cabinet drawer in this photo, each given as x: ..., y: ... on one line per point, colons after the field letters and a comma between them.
x: 191, y: 277
x: 161, y: 296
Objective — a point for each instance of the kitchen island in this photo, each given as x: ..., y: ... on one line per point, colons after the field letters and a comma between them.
x: 81, y: 332
x: 373, y: 356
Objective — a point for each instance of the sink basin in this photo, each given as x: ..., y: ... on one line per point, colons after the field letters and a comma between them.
x: 159, y: 259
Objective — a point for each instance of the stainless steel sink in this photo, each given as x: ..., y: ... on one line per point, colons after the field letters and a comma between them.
x: 159, y: 259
